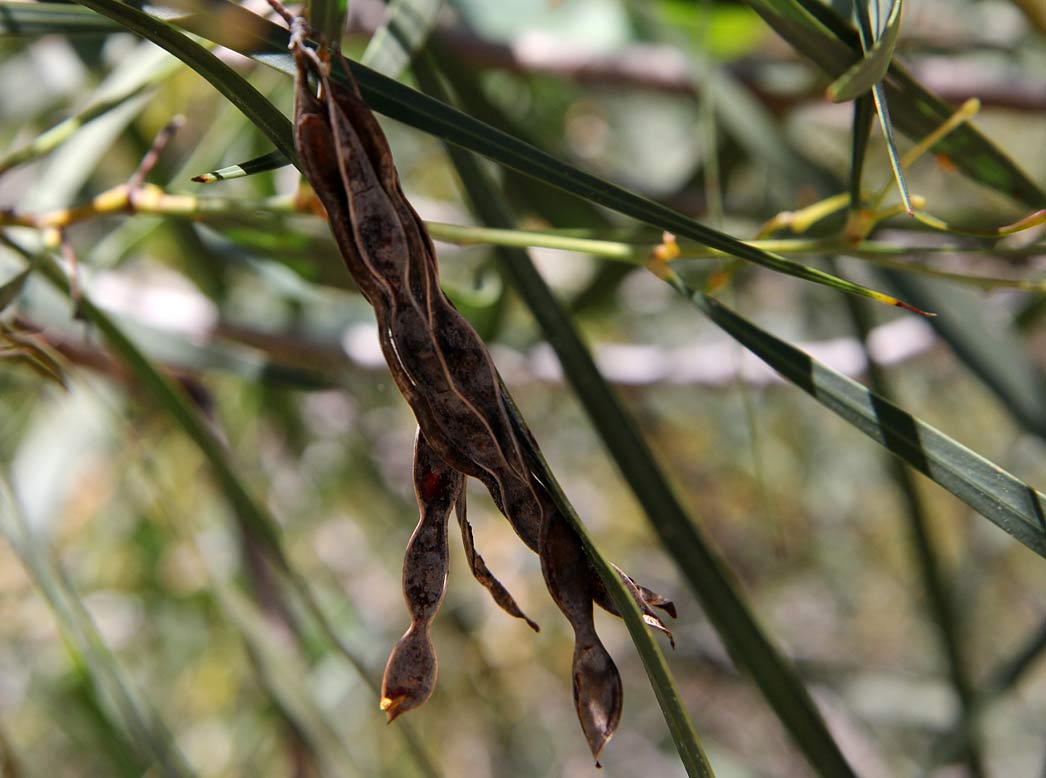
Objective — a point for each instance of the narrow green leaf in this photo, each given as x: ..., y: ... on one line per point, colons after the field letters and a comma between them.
x: 137, y: 719
x: 872, y: 67
x: 862, y: 130
x: 12, y: 288
x: 1014, y: 506
x: 883, y: 109
x: 707, y: 574
x: 266, y: 162
x: 255, y: 37
x: 820, y: 34
x: 395, y: 43
x: 31, y: 20
x: 327, y: 17
x: 996, y: 356
x: 231, y: 84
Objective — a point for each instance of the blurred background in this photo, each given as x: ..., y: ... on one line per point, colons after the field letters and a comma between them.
x: 135, y: 605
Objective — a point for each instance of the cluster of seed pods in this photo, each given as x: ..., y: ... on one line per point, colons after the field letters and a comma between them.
x: 443, y: 370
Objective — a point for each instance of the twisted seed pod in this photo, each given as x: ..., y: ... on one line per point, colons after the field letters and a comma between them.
x: 597, y: 684
x: 482, y: 572
x: 444, y: 372
x: 410, y: 674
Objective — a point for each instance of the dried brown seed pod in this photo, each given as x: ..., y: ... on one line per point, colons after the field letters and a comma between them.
x: 597, y: 684
x: 410, y: 674
x: 445, y: 373
x: 482, y: 573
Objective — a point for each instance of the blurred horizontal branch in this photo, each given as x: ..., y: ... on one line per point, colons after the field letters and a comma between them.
x: 712, y: 364
x: 667, y: 69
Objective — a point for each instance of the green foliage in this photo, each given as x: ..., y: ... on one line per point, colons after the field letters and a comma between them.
x: 204, y: 484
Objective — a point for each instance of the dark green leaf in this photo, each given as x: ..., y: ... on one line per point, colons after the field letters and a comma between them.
x: 30, y: 20
x: 231, y: 84
x: 820, y: 34
x: 266, y: 162
x: 395, y: 43
x: 707, y: 574
x: 255, y: 37
x: 995, y: 355
x: 870, y: 69
x: 1003, y: 499
x: 10, y: 290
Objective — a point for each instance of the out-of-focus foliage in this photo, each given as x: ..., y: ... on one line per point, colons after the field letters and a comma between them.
x: 143, y: 622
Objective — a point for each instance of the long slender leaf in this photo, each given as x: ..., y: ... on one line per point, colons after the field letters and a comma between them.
x: 995, y: 355
x: 395, y: 43
x: 1003, y: 499
x: 862, y: 129
x: 697, y: 560
x: 486, y: 201
x: 870, y: 69
x: 147, y: 732
x: 30, y: 20
x: 820, y: 34
x: 13, y: 287
x: 231, y: 84
x: 271, y: 160
x: 882, y: 108
x: 257, y: 38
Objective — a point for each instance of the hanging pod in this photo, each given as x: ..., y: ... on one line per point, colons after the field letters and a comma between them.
x: 445, y: 373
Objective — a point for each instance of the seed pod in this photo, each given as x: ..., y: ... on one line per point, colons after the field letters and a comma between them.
x: 444, y: 372
x: 597, y: 684
x: 410, y: 674
x: 482, y: 572
x: 644, y: 598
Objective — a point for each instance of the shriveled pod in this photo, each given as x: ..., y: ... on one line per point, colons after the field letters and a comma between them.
x: 482, y: 573
x: 645, y: 598
x: 597, y: 683
x: 443, y: 370
x: 410, y: 674
x: 440, y: 364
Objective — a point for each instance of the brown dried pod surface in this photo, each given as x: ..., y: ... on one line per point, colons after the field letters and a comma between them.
x: 410, y: 674
x: 443, y: 370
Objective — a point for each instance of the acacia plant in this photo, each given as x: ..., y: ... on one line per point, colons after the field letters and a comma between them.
x: 207, y: 478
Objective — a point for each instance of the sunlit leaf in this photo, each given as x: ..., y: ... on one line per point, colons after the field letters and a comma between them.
x: 871, y: 68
